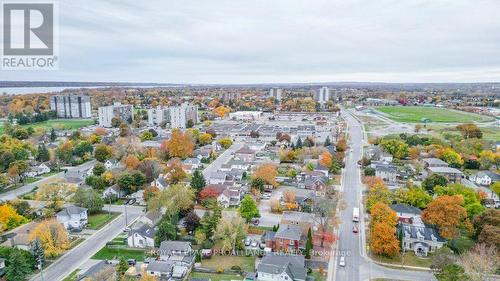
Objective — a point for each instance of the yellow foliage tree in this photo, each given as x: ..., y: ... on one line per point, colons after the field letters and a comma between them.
x: 53, y: 236
x: 222, y: 111
x: 9, y: 218
x: 205, y: 138
x: 179, y: 145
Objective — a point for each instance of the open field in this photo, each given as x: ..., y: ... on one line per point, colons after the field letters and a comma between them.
x: 67, y: 124
x: 489, y: 133
x: 415, y: 114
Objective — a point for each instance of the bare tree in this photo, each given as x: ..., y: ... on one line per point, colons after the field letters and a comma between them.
x: 480, y: 262
x: 324, y: 209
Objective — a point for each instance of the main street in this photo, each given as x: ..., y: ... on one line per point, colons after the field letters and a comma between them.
x: 72, y: 259
x: 353, y: 245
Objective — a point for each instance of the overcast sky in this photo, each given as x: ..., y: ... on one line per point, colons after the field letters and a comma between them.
x: 276, y: 41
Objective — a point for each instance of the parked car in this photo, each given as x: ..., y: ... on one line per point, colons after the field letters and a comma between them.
x: 248, y: 241
x: 254, y: 244
x: 355, y: 229
x: 255, y: 221
x: 131, y: 261
x: 342, y: 261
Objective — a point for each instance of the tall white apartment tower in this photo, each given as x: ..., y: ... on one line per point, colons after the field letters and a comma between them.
x: 124, y: 112
x: 71, y: 106
x: 177, y: 116
x: 322, y: 96
x: 276, y: 93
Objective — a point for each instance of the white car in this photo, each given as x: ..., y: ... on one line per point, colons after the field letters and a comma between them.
x: 342, y: 261
x: 254, y: 244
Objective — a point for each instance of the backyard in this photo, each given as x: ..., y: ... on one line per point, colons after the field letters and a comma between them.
x: 110, y: 252
x: 415, y: 114
x: 226, y: 262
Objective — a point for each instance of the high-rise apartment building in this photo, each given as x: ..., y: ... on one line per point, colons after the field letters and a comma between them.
x: 117, y: 110
x: 71, y: 106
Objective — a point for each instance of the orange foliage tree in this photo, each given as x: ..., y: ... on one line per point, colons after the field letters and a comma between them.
x: 222, y: 111
x: 446, y: 212
x: 131, y: 161
x: 383, y: 240
x: 179, y: 145
x: 326, y: 159
x: 266, y: 172
x: 174, y: 171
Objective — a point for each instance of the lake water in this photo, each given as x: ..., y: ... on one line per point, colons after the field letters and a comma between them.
x: 43, y: 90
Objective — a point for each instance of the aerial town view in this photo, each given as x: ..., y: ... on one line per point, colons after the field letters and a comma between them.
x: 250, y: 140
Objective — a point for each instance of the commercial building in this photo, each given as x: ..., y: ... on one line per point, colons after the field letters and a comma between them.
x: 276, y: 93
x: 117, y: 110
x: 71, y: 106
x: 245, y: 115
x: 322, y: 96
x: 176, y: 116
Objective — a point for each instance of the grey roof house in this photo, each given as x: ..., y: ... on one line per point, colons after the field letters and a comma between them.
x: 282, y: 267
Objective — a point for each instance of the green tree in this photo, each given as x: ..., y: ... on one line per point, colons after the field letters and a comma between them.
x: 258, y: 183
x: 496, y: 188
x: 122, y: 267
x: 198, y: 181
x: 18, y: 267
x: 102, y: 153
x: 397, y: 148
x: 248, y: 209
x: 211, y: 219
x: 309, y: 244
x: 99, y: 169
x: 146, y: 136
x: 43, y: 153
x: 298, y: 144
x: 53, y: 135
x: 231, y: 232
x: 328, y: 142
x: 417, y: 197
x: 430, y: 182
x: 88, y: 198
x: 452, y: 272
x: 82, y: 148
x: 369, y: 171
x: 166, y: 231
x: 37, y: 252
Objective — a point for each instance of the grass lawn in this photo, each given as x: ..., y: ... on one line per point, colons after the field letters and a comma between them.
x: 226, y: 262
x: 489, y: 133
x: 98, y: 220
x: 66, y: 124
x: 409, y: 259
x: 108, y: 253
x: 72, y: 276
x: 414, y: 114
x: 216, y: 277
x: 317, y: 276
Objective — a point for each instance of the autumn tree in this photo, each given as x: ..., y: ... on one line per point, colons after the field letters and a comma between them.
x: 487, y: 227
x: 179, y: 145
x: 222, y: 111
x: 9, y: 218
x: 382, y: 213
x: 480, y: 262
x: 266, y: 172
x: 174, y: 171
x: 131, y: 162
x: 397, y: 148
x: 151, y: 168
x: 378, y: 193
x: 207, y: 193
x: 326, y: 159
x: 383, y: 240
x: 225, y: 142
x: 53, y: 236
x: 470, y: 131
x: 341, y: 145
x: 446, y: 212
x: 451, y: 157
x: 205, y: 138
x: 55, y: 192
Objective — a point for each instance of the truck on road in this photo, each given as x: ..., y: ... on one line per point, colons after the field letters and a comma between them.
x: 355, y: 214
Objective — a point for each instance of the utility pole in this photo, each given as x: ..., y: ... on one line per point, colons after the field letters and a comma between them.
x: 40, y: 265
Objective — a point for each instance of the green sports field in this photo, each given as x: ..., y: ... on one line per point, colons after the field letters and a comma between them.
x: 67, y: 124
x: 415, y: 114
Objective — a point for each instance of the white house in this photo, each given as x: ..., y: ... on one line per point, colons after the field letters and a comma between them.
x: 282, y: 268
x: 485, y: 178
x: 73, y: 217
x: 160, y: 182
x: 142, y: 237
x: 38, y: 170
x: 113, y: 191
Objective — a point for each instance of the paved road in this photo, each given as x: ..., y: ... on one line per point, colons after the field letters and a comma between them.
x: 84, y: 251
x: 222, y: 159
x: 13, y: 194
x: 358, y: 266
